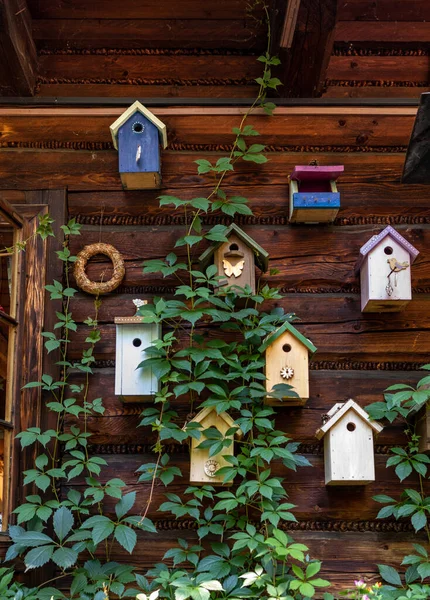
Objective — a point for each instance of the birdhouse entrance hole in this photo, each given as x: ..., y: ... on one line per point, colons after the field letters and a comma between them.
x: 351, y: 426
x: 233, y: 247
x: 286, y: 348
x: 388, y: 250
x: 137, y: 342
x: 137, y: 127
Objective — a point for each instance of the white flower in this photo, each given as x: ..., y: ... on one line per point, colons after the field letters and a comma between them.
x: 152, y: 596
x: 251, y: 577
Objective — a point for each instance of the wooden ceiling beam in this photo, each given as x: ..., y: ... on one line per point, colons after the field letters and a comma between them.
x: 18, y: 66
x: 305, y: 44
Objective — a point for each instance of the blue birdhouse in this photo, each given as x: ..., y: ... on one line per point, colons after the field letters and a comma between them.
x: 313, y: 194
x: 137, y: 135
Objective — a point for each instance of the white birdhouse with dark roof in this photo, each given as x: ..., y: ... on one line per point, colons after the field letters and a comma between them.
x: 348, y: 445
x: 137, y: 135
x: 203, y: 468
x: 385, y: 272
x: 287, y: 354
x: 132, y: 337
x: 236, y: 259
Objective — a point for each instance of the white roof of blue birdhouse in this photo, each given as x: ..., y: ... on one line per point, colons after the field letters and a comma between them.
x: 131, y: 110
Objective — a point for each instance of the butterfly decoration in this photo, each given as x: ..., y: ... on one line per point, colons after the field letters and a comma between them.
x: 235, y: 270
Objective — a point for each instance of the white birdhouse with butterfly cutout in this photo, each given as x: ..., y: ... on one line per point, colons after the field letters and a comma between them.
x: 287, y: 353
x: 203, y: 468
x: 348, y: 436
x: 132, y: 337
x: 236, y: 259
x: 137, y: 135
x: 385, y: 272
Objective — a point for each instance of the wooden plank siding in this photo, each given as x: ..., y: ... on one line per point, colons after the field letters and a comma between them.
x: 358, y: 355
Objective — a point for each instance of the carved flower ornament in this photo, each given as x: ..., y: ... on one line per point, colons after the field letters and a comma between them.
x: 287, y: 372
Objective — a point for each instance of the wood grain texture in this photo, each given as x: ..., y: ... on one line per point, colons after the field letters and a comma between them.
x: 139, y: 9
x: 382, y: 31
x: 179, y: 90
x: 294, y: 250
x: 392, y: 68
x: 117, y: 67
x: 119, y: 424
x: 19, y: 62
x: 305, y: 63
x: 244, y: 33
x: 306, y: 487
x: 373, y: 91
x: 360, y: 184
x: 384, y: 10
x: 329, y: 126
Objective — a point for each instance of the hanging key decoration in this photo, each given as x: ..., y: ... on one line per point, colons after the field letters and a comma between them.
x: 395, y: 267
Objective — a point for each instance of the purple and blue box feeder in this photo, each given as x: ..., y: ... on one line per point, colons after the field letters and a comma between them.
x: 313, y: 194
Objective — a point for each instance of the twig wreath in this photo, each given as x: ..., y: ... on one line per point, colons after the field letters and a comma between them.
x: 95, y: 287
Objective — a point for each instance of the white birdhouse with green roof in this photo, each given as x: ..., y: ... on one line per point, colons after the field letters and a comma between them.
x: 236, y: 259
x: 348, y: 436
x: 287, y: 353
x: 137, y: 135
x: 203, y: 467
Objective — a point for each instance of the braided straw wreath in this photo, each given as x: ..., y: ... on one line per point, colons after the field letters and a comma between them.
x: 94, y: 287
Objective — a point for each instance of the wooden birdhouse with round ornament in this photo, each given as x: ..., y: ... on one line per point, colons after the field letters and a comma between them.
x: 385, y: 272
x: 203, y: 468
x: 348, y: 436
x: 133, y: 336
x: 137, y: 135
x: 287, y: 353
x: 236, y: 259
x: 314, y: 197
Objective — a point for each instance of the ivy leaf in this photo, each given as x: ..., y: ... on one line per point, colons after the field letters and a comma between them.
x: 403, y: 470
x: 65, y: 557
x: 125, y: 504
x: 38, y: 557
x: 63, y: 522
x: 126, y: 536
x: 389, y: 574
x: 419, y: 520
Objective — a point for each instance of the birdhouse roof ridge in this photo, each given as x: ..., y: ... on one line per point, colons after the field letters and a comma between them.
x: 376, y: 239
x: 261, y: 256
x: 131, y: 110
x: 201, y: 415
x: 339, y: 410
x: 287, y: 326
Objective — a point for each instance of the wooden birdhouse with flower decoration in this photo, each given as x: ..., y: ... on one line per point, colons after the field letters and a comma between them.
x: 132, y: 337
x: 236, y: 259
x: 385, y: 272
x: 314, y: 197
x: 203, y: 468
x: 348, y: 436
x: 287, y: 354
x: 137, y: 135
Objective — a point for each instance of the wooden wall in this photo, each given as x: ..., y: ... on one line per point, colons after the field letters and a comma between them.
x: 358, y: 355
